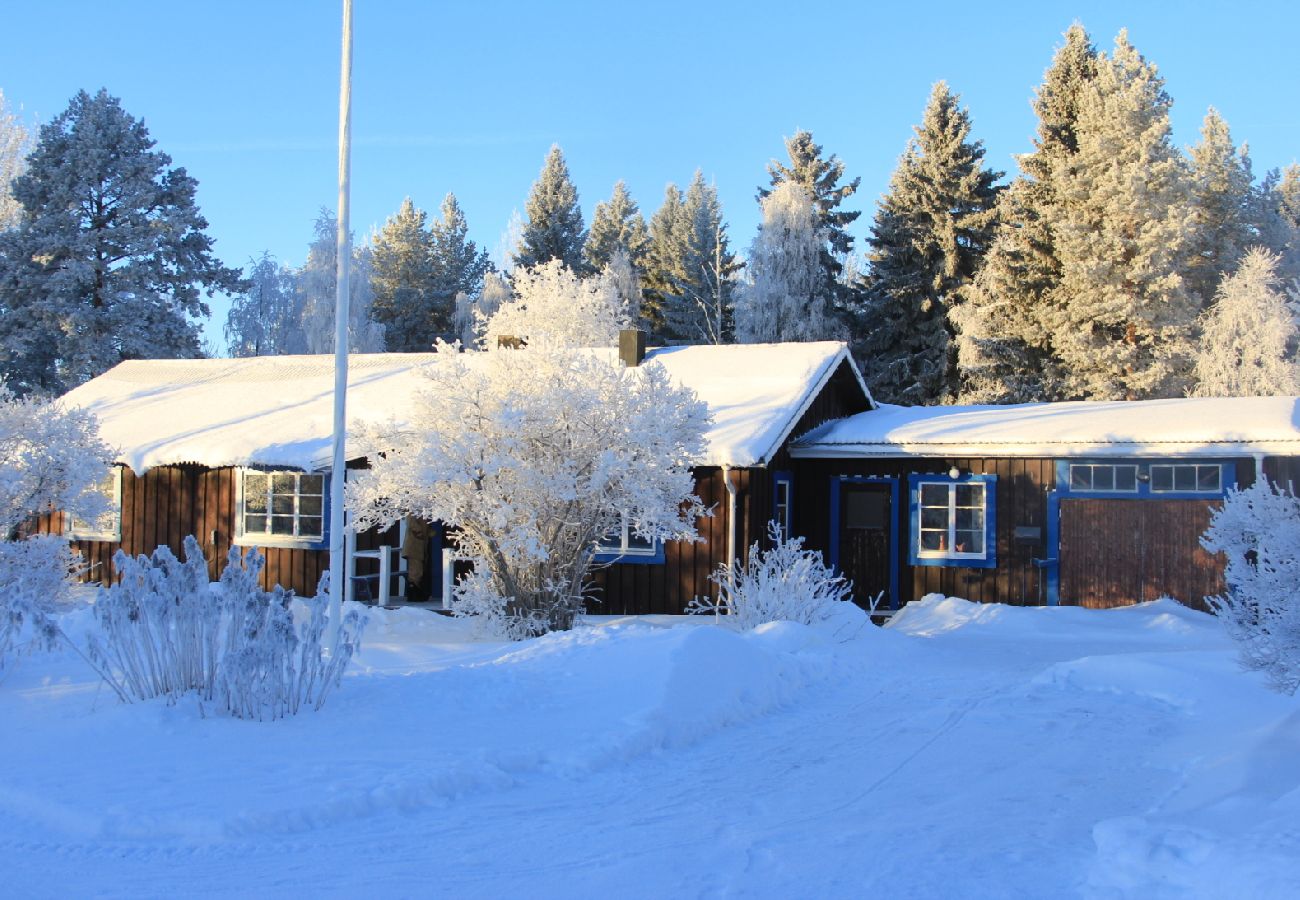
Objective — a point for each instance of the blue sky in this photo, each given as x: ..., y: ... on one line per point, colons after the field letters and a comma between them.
x: 468, y: 97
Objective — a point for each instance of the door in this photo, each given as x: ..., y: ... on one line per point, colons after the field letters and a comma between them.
x: 866, y: 548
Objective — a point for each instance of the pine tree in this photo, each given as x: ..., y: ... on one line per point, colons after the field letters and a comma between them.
x: 786, y: 297
x: 820, y: 177
x: 928, y: 239
x: 1004, y: 348
x: 317, y: 285
x: 1122, y: 320
x: 265, y: 320
x: 617, y: 225
x: 555, y: 229
x: 663, y: 265
x: 111, y: 258
x: 402, y: 282
x: 699, y: 303
x: 1247, y: 335
x: 15, y: 144
x: 1223, y: 204
x: 459, y: 266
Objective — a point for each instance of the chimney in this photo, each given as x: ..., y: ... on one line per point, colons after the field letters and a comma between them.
x: 631, y: 347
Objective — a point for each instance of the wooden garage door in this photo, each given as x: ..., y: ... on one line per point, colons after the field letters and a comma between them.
x: 1117, y: 552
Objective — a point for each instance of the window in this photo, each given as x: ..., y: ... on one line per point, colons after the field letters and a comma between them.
x: 285, y: 508
x: 628, y: 547
x: 781, y: 493
x: 1103, y: 478
x: 1186, y: 478
x: 108, y: 527
x: 953, y: 521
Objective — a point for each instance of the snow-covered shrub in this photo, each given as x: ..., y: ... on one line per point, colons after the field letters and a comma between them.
x: 783, y: 583
x: 164, y: 632
x: 1258, y: 530
x: 36, y: 575
x: 552, y: 451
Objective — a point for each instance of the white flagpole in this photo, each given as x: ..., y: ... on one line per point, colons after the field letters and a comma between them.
x: 338, y: 470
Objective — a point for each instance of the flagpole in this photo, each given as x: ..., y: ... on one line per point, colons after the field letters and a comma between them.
x: 338, y: 469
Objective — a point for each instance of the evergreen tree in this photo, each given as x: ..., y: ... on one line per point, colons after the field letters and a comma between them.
x: 786, y: 297
x: 1122, y: 321
x: 459, y: 266
x: 699, y: 303
x: 15, y: 144
x: 1288, y: 195
x: 928, y: 239
x: 555, y: 229
x: 617, y: 225
x: 664, y: 265
x: 1223, y: 207
x: 402, y: 282
x: 317, y: 286
x: 820, y: 177
x: 1247, y: 335
x: 265, y: 320
x: 1004, y: 348
x: 111, y: 258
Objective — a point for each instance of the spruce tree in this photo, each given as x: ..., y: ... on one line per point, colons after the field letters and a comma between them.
x: 554, y: 229
x: 820, y: 177
x: 928, y: 240
x: 700, y: 299
x: 402, y: 282
x: 111, y: 258
x: 1223, y: 204
x: 1003, y: 343
x: 1121, y: 323
x: 458, y: 266
x: 785, y: 298
x: 617, y: 225
x: 663, y: 264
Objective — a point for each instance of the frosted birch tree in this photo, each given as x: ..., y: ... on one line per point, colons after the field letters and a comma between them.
x: 1248, y: 335
x: 317, y: 283
x: 785, y: 298
x: 553, y: 306
x: 15, y: 144
x: 474, y: 311
x: 265, y: 320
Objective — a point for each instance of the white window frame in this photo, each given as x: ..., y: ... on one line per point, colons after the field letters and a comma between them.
x: 1173, y: 480
x: 76, y: 530
x: 266, y: 539
x: 1114, y: 467
x: 607, y: 548
x: 783, y: 512
x: 951, y: 488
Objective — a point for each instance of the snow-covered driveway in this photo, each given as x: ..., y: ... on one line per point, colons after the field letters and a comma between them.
x: 966, y: 751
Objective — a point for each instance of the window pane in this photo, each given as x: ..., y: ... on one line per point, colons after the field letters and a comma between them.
x: 1162, y: 478
x: 310, y: 526
x: 310, y: 506
x: 254, y: 524
x: 970, y: 542
x: 933, y: 540
x: 1080, y: 478
x: 254, y: 501
x: 1207, y: 478
x: 311, y: 484
x: 282, y: 483
x: 934, y: 518
x: 1126, y: 478
x: 934, y: 495
x: 639, y: 544
x: 1103, y: 478
x: 1184, y: 478
x: 970, y: 520
x: 282, y: 505
x: 970, y: 495
x: 282, y: 525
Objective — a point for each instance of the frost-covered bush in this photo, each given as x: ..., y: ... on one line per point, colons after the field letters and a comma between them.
x: 552, y: 451
x: 164, y: 632
x: 36, y: 576
x: 784, y: 583
x: 1258, y: 530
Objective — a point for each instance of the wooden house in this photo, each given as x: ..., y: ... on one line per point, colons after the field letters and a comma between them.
x: 236, y: 452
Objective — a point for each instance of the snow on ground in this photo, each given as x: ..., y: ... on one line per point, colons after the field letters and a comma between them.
x: 963, y: 751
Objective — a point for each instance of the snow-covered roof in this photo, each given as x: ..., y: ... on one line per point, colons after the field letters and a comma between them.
x: 278, y: 410
x: 1212, y: 426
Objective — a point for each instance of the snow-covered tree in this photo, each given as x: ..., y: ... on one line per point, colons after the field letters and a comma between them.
x: 1004, y: 349
x: 622, y: 279
x: 265, y: 320
x: 1248, y: 335
x: 15, y: 144
x: 554, y: 229
x: 617, y: 225
x: 785, y: 298
x: 474, y: 311
x: 1122, y: 323
x: 553, y: 450
x: 553, y: 306
x: 317, y: 283
x: 401, y: 279
x: 1258, y: 530
x: 927, y: 242
x: 663, y: 264
x: 1223, y: 202
x: 459, y: 266
x: 820, y: 177
x: 111, y: 258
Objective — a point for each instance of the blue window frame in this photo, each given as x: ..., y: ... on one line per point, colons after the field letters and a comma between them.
x: 953, y: 520
x: 626, y: 546
x: 1147, y: 479
x: 282, y: 508
x: 782, y: 500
